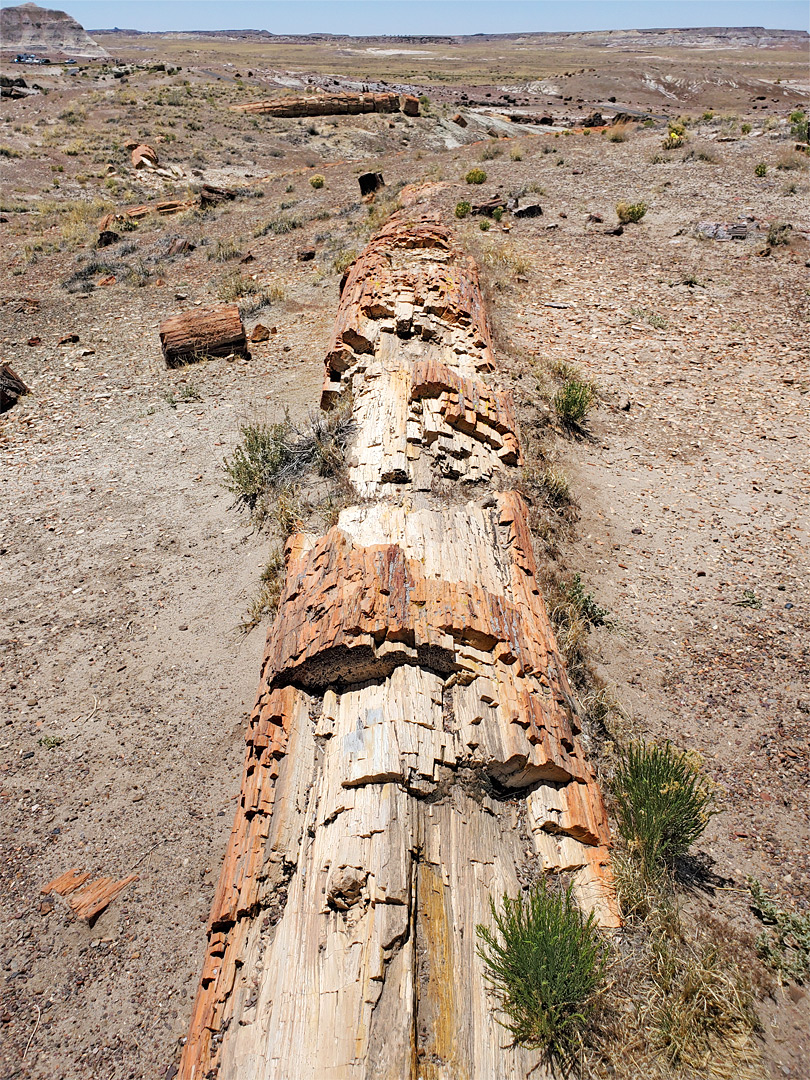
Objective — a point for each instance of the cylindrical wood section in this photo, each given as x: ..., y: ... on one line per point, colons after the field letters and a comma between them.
x: 414, y: 749
x: 192, y: 335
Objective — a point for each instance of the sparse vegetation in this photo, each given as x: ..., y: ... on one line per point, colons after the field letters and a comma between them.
x: 630, y: 212
x: 264, y: 604
x: 278, y: 226
x: 463, y: 208
x: 785, y: 944
x: 799, y: 125
x: 317, y: 181
x: 488, y: 153
x: 476, y: 176
x: 618, y: 133
x: 745, y: 129
x: 779, y: 234
x: 223, y: 251
x: 546, y: 963
x: 663, y: 805
x: 761, y: 169
x: 573, y: 401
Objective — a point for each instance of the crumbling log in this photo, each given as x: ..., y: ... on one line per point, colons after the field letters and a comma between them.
x: 415, y: 747
x: 11, y: 387
x: 192, y: 335
x: 323, y: 105
x: 410, y: 105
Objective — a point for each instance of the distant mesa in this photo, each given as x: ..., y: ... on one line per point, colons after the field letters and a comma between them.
x: 32, y: 29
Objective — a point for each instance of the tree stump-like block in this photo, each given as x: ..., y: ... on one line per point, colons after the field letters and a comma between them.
x: 193, y: 335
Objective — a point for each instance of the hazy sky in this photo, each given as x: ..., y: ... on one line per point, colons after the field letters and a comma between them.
x: 428, y: 16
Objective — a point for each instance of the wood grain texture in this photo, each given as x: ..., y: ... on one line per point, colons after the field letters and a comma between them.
x: 214, y: 331
x: 415, y: 748
x: 323, y: 105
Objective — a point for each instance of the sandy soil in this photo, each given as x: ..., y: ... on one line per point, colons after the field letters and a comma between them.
x: 125, y: 572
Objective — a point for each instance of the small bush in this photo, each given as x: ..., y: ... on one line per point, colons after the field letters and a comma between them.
x: 515, y: 154
x: 617, y: 133
x: 799, y: 125
x: 317, y: 181
x: 761, y: 169
x: 278, y: 226
x: 463, y: 208
x: 8, y: 152
x: 663, y: 804
x: 264, y: 604
x: 785, y: 945
x: 234, y: 286
x: 497, y: 213
x: 708, y: 115
x: 224, y: 250
x: 779, y: 234
x: 485, y: 225
x: 585, y: 605
x: 490, y: 151
x: 746, y: 129
x: 546, y: 963
x: 476, y: 176
x: 573, y: 401
x: 793, y: 160
x: 630, y: 212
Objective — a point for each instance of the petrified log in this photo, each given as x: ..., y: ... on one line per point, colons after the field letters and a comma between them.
x: 414, y: 749
x: 370, y: 182
x: 11, y: 387
x: 144, y: 157
x: 410, y: 105
x: 458, y: 119
x: 191, y: 335
x: 135, y: 213
x: 323, y: 105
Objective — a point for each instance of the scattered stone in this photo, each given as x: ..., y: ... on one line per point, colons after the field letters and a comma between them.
x: 594, y: 120
x: 596, y: 219
x: 181, y: 245
x: 260, y: 332
x: 35, y: 341
x: 618, y: 231
x: 720, y: 230
x: 68, y: 339
x: 306, y: 255
x: 107, y: 237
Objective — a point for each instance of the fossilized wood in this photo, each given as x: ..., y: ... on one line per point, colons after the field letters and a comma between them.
x: 135, y: 213
x: 323, y: 105
x: 144, y: 157
x: 415, y: 747
x: 214, y: 331
x: 11, y: 387
x: 87, y: 900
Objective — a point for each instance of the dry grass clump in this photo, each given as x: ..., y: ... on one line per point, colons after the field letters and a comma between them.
x: 628, y: 213
x: 618, y: 133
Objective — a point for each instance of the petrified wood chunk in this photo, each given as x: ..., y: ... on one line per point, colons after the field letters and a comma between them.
x: 415, y: 747
x: 323, y: 105
x: 191, y: 335
x: 11, y: 387
x: 370, y: 182
x: 410, y: 105
x: 144, y: 157
x: 87, y: 901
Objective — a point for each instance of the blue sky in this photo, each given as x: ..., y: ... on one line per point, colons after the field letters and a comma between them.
x: 428, y: 16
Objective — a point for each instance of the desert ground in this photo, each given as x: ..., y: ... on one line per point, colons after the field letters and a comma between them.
x: 126, y: 571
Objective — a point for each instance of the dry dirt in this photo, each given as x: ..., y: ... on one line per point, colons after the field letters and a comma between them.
x: 125, y: 572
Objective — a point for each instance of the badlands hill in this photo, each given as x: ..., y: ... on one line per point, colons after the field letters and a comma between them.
x: 29, y: 28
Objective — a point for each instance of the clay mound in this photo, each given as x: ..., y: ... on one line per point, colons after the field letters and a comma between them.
x: 29, y: 28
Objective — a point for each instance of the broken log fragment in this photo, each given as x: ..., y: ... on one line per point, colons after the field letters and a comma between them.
x: 87, y: 901
x: 193, y: 335
x: 322, y: 105
x: 11, y: 387
x: 370, y: 182
x: 410, y: 105
x: 144, y: 157
x: 415, y: 746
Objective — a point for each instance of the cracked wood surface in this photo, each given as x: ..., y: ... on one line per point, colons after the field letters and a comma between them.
x: 414, y: 749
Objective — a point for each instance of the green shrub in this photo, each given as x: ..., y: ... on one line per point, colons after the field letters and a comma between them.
x: 799, y: 125
x: 663, y: 804
x: 746, y: 129
x: 317, y: 181
x: 761, y: 169
x: 485, y: 225
x: 497, y: 213
x: 476, y: 176
x: 779, y: 234
x: 585, y: 605
x: 463, y: 208
x: 708, y: 115
x: 630, y: 212
x: 573, y: 401
x: 546, y: 963
x: 785, y: 945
